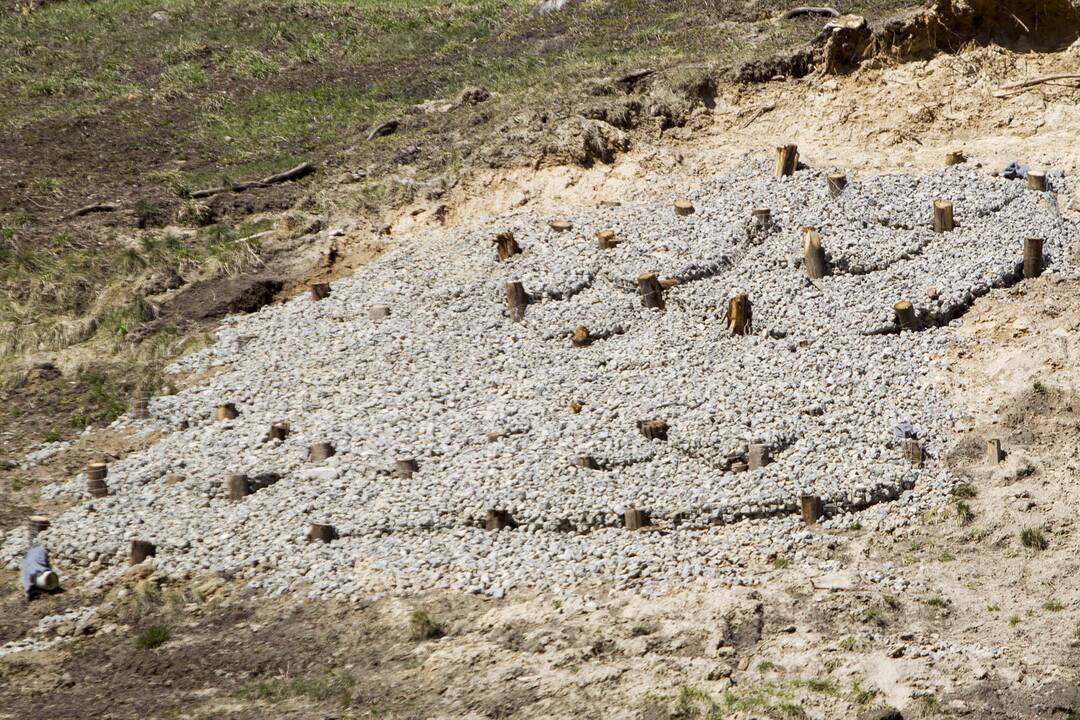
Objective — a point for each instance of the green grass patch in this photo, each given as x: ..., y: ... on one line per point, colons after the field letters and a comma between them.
x: 1034, y: 539
x: 153, y: 637
x: 335, y: 687
x: 425, y: 626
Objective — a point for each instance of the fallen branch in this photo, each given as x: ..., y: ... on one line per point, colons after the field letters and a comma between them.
x: 95, y: 208
x: 1006, y: 90
x: 297, y: 172
x: 810, y: 12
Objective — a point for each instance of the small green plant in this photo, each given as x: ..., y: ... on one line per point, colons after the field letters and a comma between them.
x: 1053, y: 605
x: 53, y: 436
x: 1038, y: 388
x: 964, y: 513
x: 557, y: 604
x: 424, y: 626
x: 1034, y: 539
x: 327, y: 687
x: 936, y: 601
x: 855, y: 526
x: 872, y: 616
x: 695, y: 704
x: 766, y: 666
x: 861, y: 696
x: 781, y: 562
x: 153, y: 636
x: 965, y: 490
x: 993, y: 607
x: 946, y: 556
x: 1014, y: 620
x: 642, y: 628
x: 850, y: 644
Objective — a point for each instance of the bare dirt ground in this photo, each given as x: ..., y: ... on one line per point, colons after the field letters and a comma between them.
x: 987, y: 620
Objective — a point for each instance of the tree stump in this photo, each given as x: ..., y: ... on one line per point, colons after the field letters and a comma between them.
x: 581, y: 336
x: 813, y: 254
x: 740, y: 315
x: 993, y: 451
x: 140, y: 550
x: 587, y: 462
x: 758, y: 456
x: 405, y: 468
x: 226, y: 411
x: 913, y: 452
x: 787, y: 160
x: 1037, y: 181
x: 652, y: 294
x: 654, y: 429
x: 943, y: 216
x: 606, y: 239
x: 955, y: 157
x: 320, y: 451
x: 378, y: 312
x: 516, y: 300
x: 321, y: 533
x: 278, y: 431
x: 837, y: 183
x: 237, y: 487
x: 635, y: 519
x: 140, y: 405
x: 320, y: 291
x: 506, y: 245
x: 560, y: 225
x: 905, y: 315
x: 1033, y: 257
x: 497, y: 520
x: 36, y: 524
x: 762, y: 218
x: 684, y: 207
x: 812, y: 508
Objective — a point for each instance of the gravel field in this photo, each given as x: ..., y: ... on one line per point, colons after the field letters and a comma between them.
x: 483, y: 404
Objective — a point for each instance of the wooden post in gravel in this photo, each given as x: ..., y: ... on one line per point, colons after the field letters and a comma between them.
x: 237, y: 487
x: 226, y: 411
x: 812, y: 508
x: 652, y: 294
x: 320, y: 451
x: 913, y: 452
x: 278, y: 431
x: 905, y: 315
x: 506, y: 245
x: 654, y: 429
x: 560, y: 225
x: 943, y: 216
x: 405, y: 468
x: 140, y: 550
x: 320, y: 532
x: 635, y: 519
x: 496, y: 520
x: 955, y: 157
x: 140, y: 404
x: 813, y: 254
x: 516, y: 300
x: 787, y: 160
x: 1033, y: 257
x: 1037, y: 181
x: 36, y: 524
x: 320, y: 291
x: 993, y: 451
x: 378, y: 312
x: 606, y: 239
x: 758, y: 456
x: 586, y: 462
x: 96, y: 473
x: 581, y: 336
x: 837, y: 183
x: 684, y: 207
x: 739, y: 315
x: 762, y: 218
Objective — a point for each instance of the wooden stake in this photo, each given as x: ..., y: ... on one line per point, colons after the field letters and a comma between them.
x: 560, y: 225
x: 320, y: 451
x: 943, y: 216
x: 654, y: 429
x: 812, y: 509
x: 140, y: 550
x: 96, y: 471
x: 320, y: 291
x: 993, y: 451
x: 506, y: 245
x: 635, y: 519
x: 905, y: 315
x: 237, y: 487
x: 278, y: 431
x: 684, y: 207
x: 587, y: 462
x: 140, y: 405
x: 1033, y: 257
x: 516, y: 300
x: 497, y: 520
x: 405, y: 468
x: 321, y: 533
x: 955, y: 157
x: 226, y: 411
x: 97, y: 488
x: 37, y: 524
x: 740, y: 315
x: 762, y: 218
x: 606, y: 239
x: 913, y: 452
x: 652, y: 294
x: 813, y: 254
x: 378, y: 312
x: 581, y: 336
x: 837, y: 183
x: 787, y: 160
x: 1037, y: 181
x: 758, y: 456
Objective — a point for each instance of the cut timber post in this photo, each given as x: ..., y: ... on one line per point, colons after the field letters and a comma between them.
x: 813, y: 253
x: 497, y: 520
x: 943, y: 216
x: 905, y: 315
x: 1037, y: 181
x: 652, y: 294
x: 506, y: 245
x: 320, y: 451
x: 320, y: 291
x: 993, y: 451
x: 226, y: 411
x: 1033, y: 257
x: 237, y: 487
x: 378, y: 312
x: 787, y: 160
x: 560, y: 225
x: 635, y: 519
x: 581, y: 336
x: 684, y: 207
x: 37, y: 524
x: 913, y: 452
x: 278, y: 431
x: 587, y: 462
x: 95, y: 479
x: 955, y: 157
x: 606, y: 239
x: 140, y: 404
x: 762, y: 218
x: 405, y: 468
x: 812, y: 508
x: 516, y: 300
x: 740, y: 315
x: 140, y: 550
x: 321, y: 533
x: 654, y: 429
x: 758, y: 456
x: 837, y: 183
